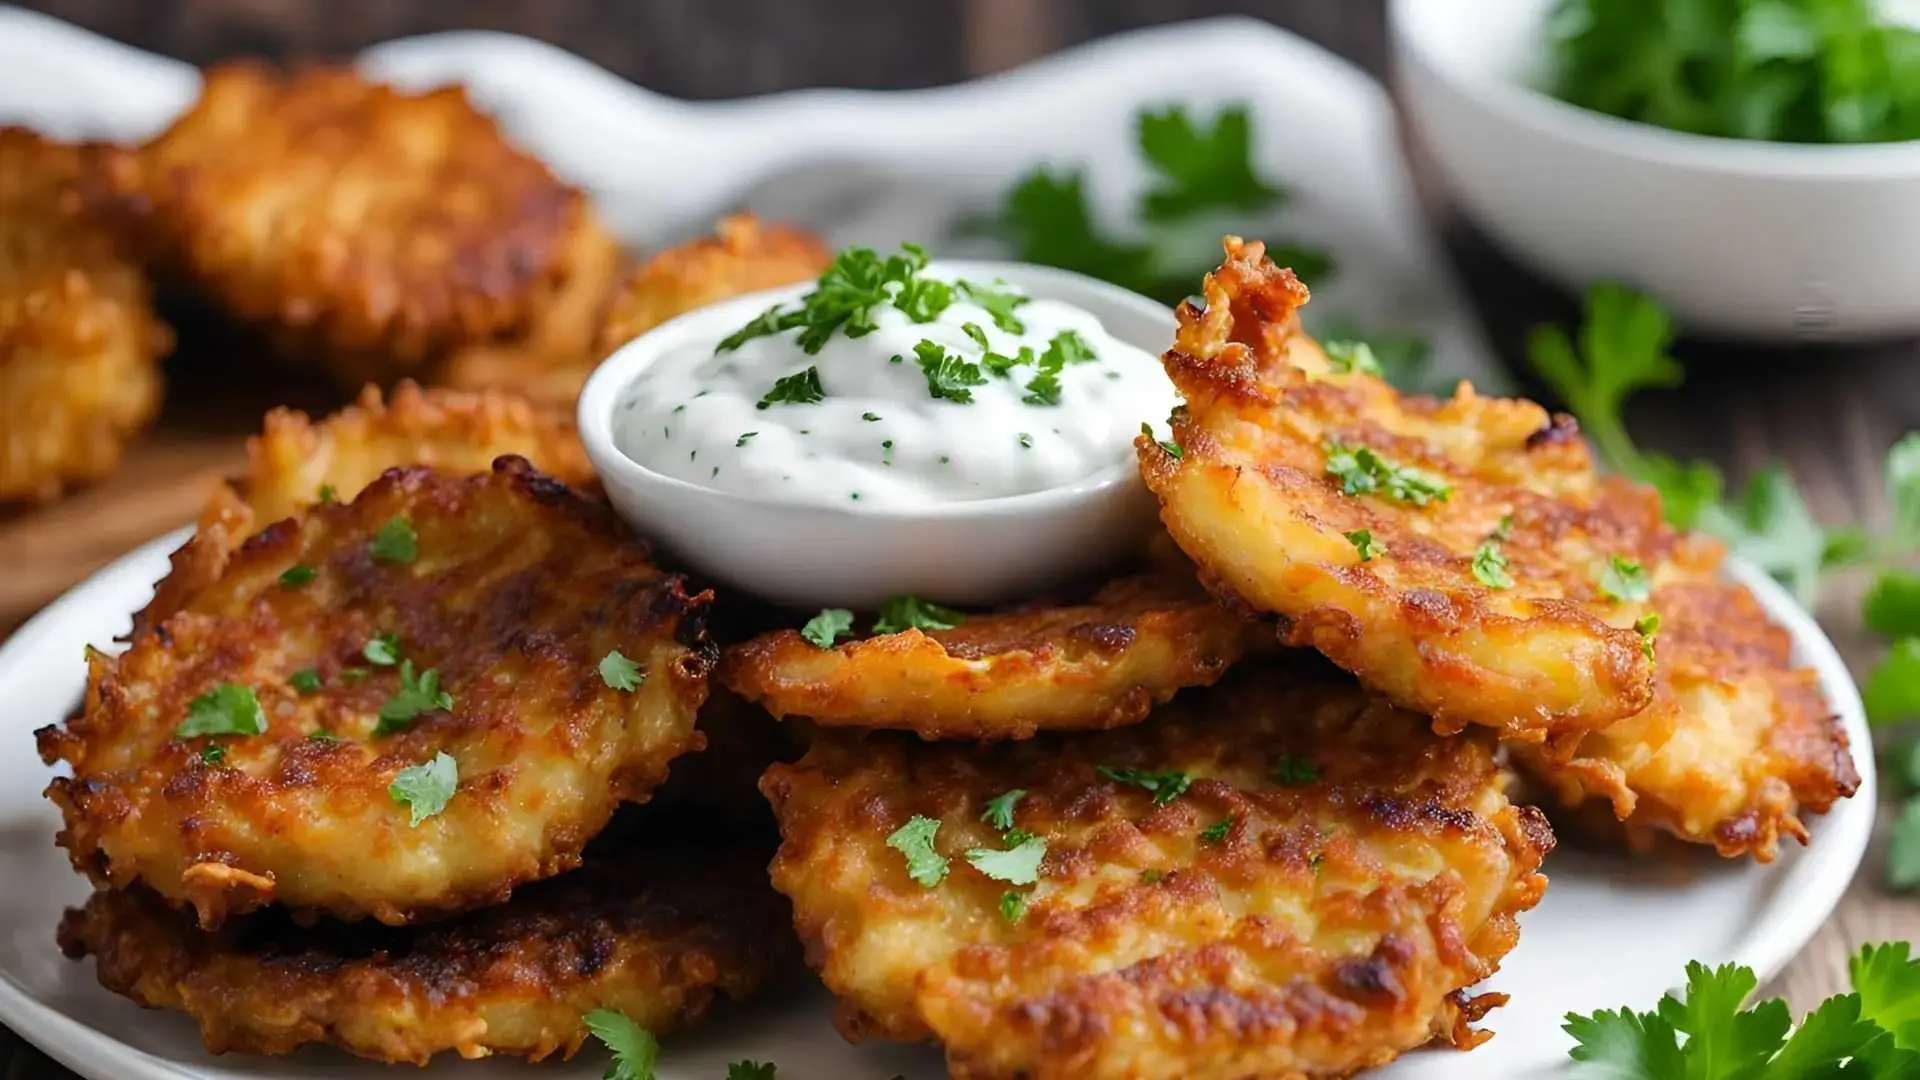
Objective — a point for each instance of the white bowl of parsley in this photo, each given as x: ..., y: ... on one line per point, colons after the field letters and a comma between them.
x: 1752, y: 163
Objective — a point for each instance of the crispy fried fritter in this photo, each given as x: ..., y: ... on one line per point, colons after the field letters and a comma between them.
x: 1737, y: 744
x: 550, y: 360
x: 654, y: 934
x: 79, y: 343
x: 518, y: 589
x: 362, y: 226
x: 1285, y: 460
x: 1098, y: 664
x: 1368, y: 873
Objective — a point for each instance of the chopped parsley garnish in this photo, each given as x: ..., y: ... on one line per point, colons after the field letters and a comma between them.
x: 1364, y: 543
x: 1349, y: 357
x: 1490, y: 566
x: 1201, y: 168
x: 1361, y: 471
x: 297, y: 575
x: 1001, y: 366
x: 1013, y: 905
x: 322, y: 735
x: 752, y: 1070
x: 744, y: 437
x: 827, y: 627
x: 1165, y: 785
x: 1065, y: 349
x: 1625, y: 580
x: 425, y: 789
x: 870, y: 417
x: 1216, y: 832
x: 227, y: 709
x: 999, y: 811
x: 978, y: 334
x: 844, y: 298
x: 1503, y: 529
x: 382, y: 649
x: 396, y: 542
x: 1017, y: 864
x: 1026, y: 441
x: 1171, y: 449
x: 620, y: 673
x: 635, y: 1050
x: 999, y: 300
x: 915, y: 841
x: 1290, y: 771
x: 306, y: 680
x: 1151, y: 876
x: 212, y: 754
x: 801, y: 388
x: 902, y: 613
x: 949, y: 377
x: 354, y: 675
x: 1647, y: 627
x: 329, y: 495
x: 417, y: 694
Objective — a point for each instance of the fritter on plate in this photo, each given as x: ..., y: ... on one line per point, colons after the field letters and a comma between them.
x: 654, y: 934
x: 369, y: 228
x: 1738, y: 742
x: 80, y: 346
x: 1098, y: 664
x: 1281, y: 875
x: 742, y: 256
x: 246, y: 746
x: 1458, y: 555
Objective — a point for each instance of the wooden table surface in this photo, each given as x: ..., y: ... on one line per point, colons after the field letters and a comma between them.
x: 1828, y: 413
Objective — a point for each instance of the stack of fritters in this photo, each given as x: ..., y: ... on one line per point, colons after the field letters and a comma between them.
x: 357, y: 229
x: 349, y: 779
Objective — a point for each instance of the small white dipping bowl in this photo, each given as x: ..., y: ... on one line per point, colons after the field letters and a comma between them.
x: 1740, y: 239
x: 976, y: 552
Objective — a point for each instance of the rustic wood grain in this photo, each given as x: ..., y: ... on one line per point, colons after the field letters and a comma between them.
x: 1829, y: 414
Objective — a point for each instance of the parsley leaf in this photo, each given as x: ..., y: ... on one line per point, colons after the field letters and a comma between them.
x: 999, y: 811
x: 297, y: 575
x: 1892, y: 690
x: 1013, y: 906
x: 382, y: 649
x: 1647, y: 626
x: 1490, y: 566
x: 1364, y: 543
x: 1903, y: 853
x: 620, y: 673
x: 635, y: 1050
x: 1018, y: 864
x: 1887, y: 979
x: 1625, y: 580
x: 1047, y: 218
x: 844, y: 298
x: 1216, y: 832
x: 328, y: 494
x: 1361, y: 471
x: 948, y: 376
x: 306, y: 680
x: 829, y: 626
x: 1067, y: 347
x: 1624, y: 338
x: 417, y: 694
x: 1290, y: 771
x: 1349, y: 357
x: 902, y: 613
x: 999, y: 301
x: 1771, y: 525
x: 1166, y: 785
x: 915, y: 841
x: 1892, y: 607
x: 1201, y: 168
x: 227, y: 709
x: 744, y: 438
x: 396, y: 542
x: 425, y: 789
x: 1172, y: 449
x: 800, y: 388
x: 923, y: 299
x: 751, y: 1070
x: 212, y: 754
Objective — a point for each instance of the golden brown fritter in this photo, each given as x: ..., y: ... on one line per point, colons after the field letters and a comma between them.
x: 1737, y: 744
x: 366, y: 227
x: 80, y: 346
x: 516, y: 590
x: 742, y: 256
x: 294, y: 458
x: 1098, y: 664
x: 550, y: 360
x: 1315, y: 901
x: 654, y: 934
x: 1450, y: 553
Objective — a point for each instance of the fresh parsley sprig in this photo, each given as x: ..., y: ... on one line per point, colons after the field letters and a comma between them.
x: 843, y: 301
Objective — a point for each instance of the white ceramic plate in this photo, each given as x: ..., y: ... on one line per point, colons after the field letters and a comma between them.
x: 1610, y: 931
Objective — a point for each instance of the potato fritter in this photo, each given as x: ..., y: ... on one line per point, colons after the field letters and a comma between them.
x: 79, y: 343
x: 1281, y: 875
x: 366, y: 227
x: 1098, y: 664
x: 1737, y: 743
x: 434, y: 614
x: 654, y: 934
x: 1453, y: 554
